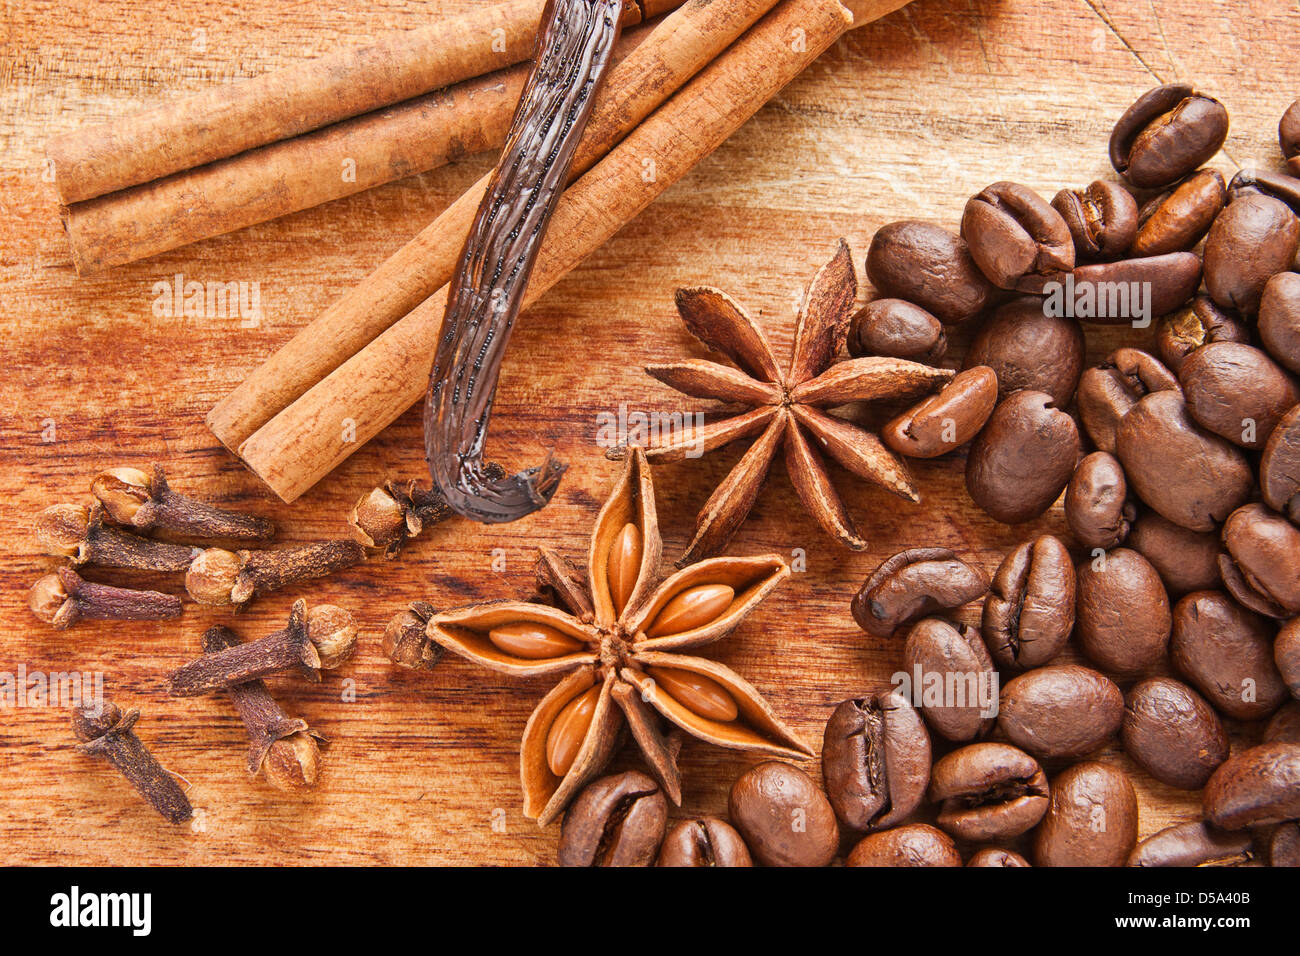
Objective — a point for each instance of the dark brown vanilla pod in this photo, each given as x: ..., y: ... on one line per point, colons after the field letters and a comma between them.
x: 106, y: 732
x: 79, y: 533
x: 139, y: 500
x: 487, y: 291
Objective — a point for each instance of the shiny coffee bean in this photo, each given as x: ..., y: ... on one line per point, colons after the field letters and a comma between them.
x: 1168, y: 132
x: 1097, y: 506
x: 1179, y: 218
x: 930, y: 267
x: 1030, y: 350
x: 1122, y: 611
x: 1107, y: 391
x: 1288, y: 131
x: 1279, y: 466
x: 1198, y: 323
x: 1091, y: 820
x: 1286, y: 655
x: 615, y: 821
x: 1172, y: 733
x: 706, y: 841
x: 917, y: 844
x: 1280, y: 186
x: 875, y: 761
x: 1226, y: 651
x: 988, y: 791
x: 1137, y: 291
x: 1279, y: 318
x: 1261, y: 566
x: 1185, y: 560
x: 912, y: 584
x: 996, y: 856
x: 1016, y: 238
x: 1284, y: 844
x: 1251, y: 241
x: 1237, y: 392
x: 784, y: 819
x: 1284, y: 726
x: 1192, y: 844
x: 897, y: 329
x: 1062, y: 710
x: 947, y: 420
x: 1256, y: 787
x: 1023, y: 459
x: 958, y: 684
x: 1102, y: 219
x: 1029, y: 612
x: 1191, y: 476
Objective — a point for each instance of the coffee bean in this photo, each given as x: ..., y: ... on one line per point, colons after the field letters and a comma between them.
x: 1252, y: 240
x: 1062, y: 710
x: 1186, y: 560
x: 784, y: 819
x: 996, y: 856
x: 1138, y: 290
x: 1122, y: 612
x: 615, y: 821
x: 1022, y: 460
x: 1029, y: 350
x: 1261, y: 568
x: 1029, y: 613
x: 1288, y: 131
x: 898, y: 329
x: 1284, y: 726
x: 706, y: 841
x: 957, y: 683
x: 1191, y: 476
x: 916, y: 844
x: 1279, y: 318
x: 1016, y: 238
x: 1226, y: 651
x: 875, y: 761
x: 948, y: 420
x: 930, y: 267
x: 1284, y: 844
x: 988, y: 791
x: 1237, y: 392
x: 1102, y: 219
x: 1256, y: 787
x: 1279, y: 466
x: 1178, y: 218
x: 1167, y: 133
x: 1091, y: 820
x: 912, y: 584
x: 1172, y: 733
x: 1192, y: 844
x: 1107, y: 392
x: 1286, y: 655
x: 1097, y: 507
x: 1280, y: 186
x: 1198, y: 323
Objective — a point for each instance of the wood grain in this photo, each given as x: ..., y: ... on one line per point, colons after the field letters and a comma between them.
x: 902, y: 119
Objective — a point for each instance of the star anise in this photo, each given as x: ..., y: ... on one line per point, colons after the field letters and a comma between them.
x: 620, y: 648
x: 786, y: 407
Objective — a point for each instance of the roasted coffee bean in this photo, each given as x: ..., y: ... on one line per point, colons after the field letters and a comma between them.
x: 996, y: 856
x: 1016, y: 238
x: 1023, y: 459
x: 1102, y: 219
x: 1029, y: 613
x: 1279, y: 466
x: 1251, y: 241
x: 615, y: 821
x: 948, y: 420
x: 1172, y: 733
x: 988, y: 791
x: 912, y: 584
x: 1226, y: 651
x: 916, y: 844
x: 1186, y: 560
x: 1192, y: 844
x: 1167, y: 133
x: 1286, y: 655
x: 952, y: 671
x: 1107, y: 392
x: 1284, y: 844
x: 1030, y: 350
x: 1091, y: 819
x: 706, y: 841
x: 1261, y: 566
x: 1280, y: 186
x: 1256, y: 787
x: 1284, y: 726
x: 1063, y: 710
x: 897, y: 329
x: 1134, y: 291
x: 1191, y: 476
x: 1288, y: 131
x: 875, y: 761
x: 1179, y: 218
x: 930, y: 267
x: 1279, y: 318
x: 784, y: 819
x: 1097, y: 506
x: 1198, y: 323
x: 1122, y: 612
x: 1237, y: 392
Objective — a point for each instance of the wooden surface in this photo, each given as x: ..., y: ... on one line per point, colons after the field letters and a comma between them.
x: 902, y: 119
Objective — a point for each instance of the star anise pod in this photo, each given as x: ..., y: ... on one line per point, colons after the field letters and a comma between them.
x: 786, y: 407
x: 620, y: 648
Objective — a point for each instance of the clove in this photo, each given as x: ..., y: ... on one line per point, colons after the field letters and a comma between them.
x: 63, y: 598
x: 282, y: 747
x: 106, y: 732
x: 321, y: 639
x: 392, y: 514
x: 135, y: 498
x: 218, y: 576
x: 79, y: 533
x: 407, y: 642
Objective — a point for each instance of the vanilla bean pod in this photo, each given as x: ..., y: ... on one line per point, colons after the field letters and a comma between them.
x: 106, y: 732
x: 63, y: 598
x: 137, y: 499
x: 79, y: 533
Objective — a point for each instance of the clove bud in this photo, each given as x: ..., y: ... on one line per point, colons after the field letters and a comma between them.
x: 110, y: 734
x: 218, y: 576
x: 63, y: 598
x: 407, y: 642
x: 136, y: 498
x: 392, y: 514
x: 79, y: 533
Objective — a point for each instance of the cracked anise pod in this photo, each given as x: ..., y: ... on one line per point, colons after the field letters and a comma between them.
x: 620, y: 647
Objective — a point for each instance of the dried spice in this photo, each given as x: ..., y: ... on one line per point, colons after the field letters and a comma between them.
x: 786, y: 406
x: 389, y: 516
x: 406, y: 639
x: 79, y: 533
x: 145, y: 501
x: 63, y: 598
x: 619, y: 647
x: 218, y: 576
x: 107, y: 732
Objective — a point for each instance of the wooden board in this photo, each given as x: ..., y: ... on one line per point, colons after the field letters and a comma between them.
x: 902, y: 119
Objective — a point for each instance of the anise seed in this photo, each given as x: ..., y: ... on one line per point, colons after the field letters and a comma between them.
x: 533, y: 642
x: 696, y: 692
x: 623, y: 565
x: 564, y: 739
x: 692, y: 608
